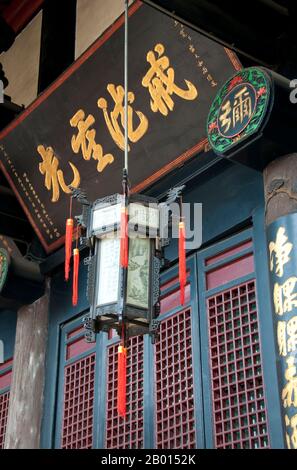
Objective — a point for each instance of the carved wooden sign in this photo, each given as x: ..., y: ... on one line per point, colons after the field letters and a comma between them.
x: 4, y: 265
x: 73, y: 134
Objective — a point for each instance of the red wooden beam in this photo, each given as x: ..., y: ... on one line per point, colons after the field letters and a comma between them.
x: 19, y: 12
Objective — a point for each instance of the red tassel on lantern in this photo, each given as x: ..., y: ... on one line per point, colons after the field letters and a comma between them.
x: 182, y: 261
x: 68, y: 246
x: 124, y: 248
x: 122, y: 365
x: 75, y: 276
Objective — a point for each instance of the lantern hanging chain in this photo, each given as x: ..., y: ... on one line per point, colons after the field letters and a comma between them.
x: 125, y: 180
x: 77, y: 236
x: 181, y: 208
x: 126, y: 83
x: 123, y: 335
x: 70, y: 207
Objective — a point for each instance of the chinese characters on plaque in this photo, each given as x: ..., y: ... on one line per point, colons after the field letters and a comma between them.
x: 237, y: 110
x: 73, y: 135
x: 283, y: 268
x: 160, y: 82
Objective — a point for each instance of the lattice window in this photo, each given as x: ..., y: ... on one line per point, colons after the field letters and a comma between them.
x: 125, y: 433
x: 4, y: 404
x: 239, y: 408
x: 175, y: 421
x: 79, y: 387
x: 5, y: 382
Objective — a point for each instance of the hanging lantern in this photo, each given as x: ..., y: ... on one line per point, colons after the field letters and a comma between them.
x: 118, y: 294
x: 123, y: 234
x: 126, y: 253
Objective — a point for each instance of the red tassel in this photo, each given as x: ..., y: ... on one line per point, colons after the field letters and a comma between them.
x: 122, y: 364
x: 124, y: 250
x: 182, y: 261
x: 75, y: 276
x: 68, y: 246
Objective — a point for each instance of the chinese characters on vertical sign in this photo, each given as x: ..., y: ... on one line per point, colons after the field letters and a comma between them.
x: 283, y: 270
x: 160, y: 83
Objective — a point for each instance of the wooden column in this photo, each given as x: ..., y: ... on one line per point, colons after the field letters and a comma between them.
x: 280, y: 185
x: 27, y: 390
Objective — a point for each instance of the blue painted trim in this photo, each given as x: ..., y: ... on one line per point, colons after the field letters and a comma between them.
x: 204, y: 333
x: 196, y: 356
x: 206, y: 381
x: 148, y: 394
x: 73, y: 338
x: 8, y: 320
x: 196, y: 350
x: 229, y: 285
x: 236, y: 184
x: 264, y: 320
x: 79, y: 356
x: 3, y: 372
x: 174, y: 311
x: 112, y: 341
x: 7, y: 369
x: 229, y: 259
x: 60, y: 312
x: 266, y: 331
x: 55, y: 357
x: 65, y: 329
x: 224, y: 245
x: 59, y: 391
x: 100, y: 392
x: 170, y: 289
x: 51, y: 388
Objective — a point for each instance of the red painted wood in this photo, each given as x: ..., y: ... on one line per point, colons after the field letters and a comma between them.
x: 125, y: 433
x: 237, y: 387
x: 19, y: 12
x: 5, y: 380
x: 4, y: 404
x: 41, y: 98
x: 175, y: 412
x: 6, y: 365
x: 172, y: 282
x: 169, y: 283
x: 229, y: 272
x: 232, y: 251
x: 79, y: 389
x: 172, y: 300
x: 77, y: 347
x: 178, y: 161
x: 77, y: 331
x: 112, y: 334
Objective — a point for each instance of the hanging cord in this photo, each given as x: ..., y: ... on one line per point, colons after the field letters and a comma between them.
x: 68, y: 241
x: 126, y: 78
x: 124, y: 242
x: 122, y: 374
x: 75, y: 270
x: 182, y: 254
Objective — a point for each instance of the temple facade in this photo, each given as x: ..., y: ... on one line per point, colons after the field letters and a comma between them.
x: 221, y: 373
